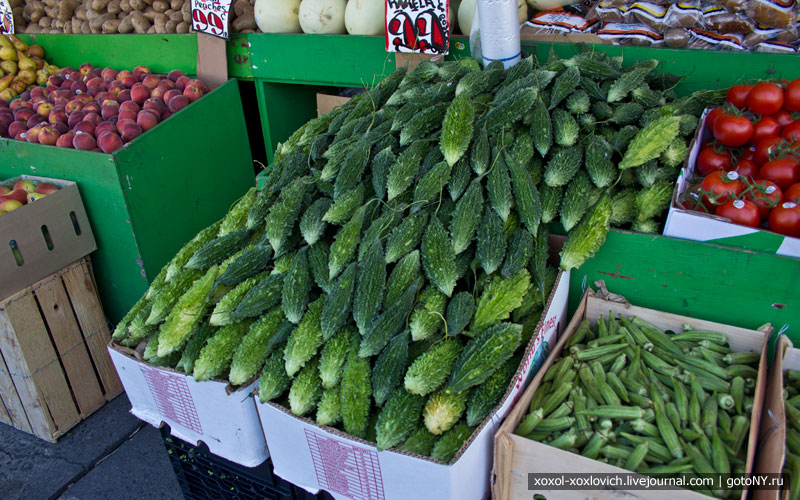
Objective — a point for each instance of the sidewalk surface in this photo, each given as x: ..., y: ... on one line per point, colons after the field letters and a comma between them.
x: 110, y: 455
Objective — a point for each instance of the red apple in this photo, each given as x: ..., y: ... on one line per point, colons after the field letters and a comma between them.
x: 25, y: 185
x: 46, y: 188
x: 17, y: 194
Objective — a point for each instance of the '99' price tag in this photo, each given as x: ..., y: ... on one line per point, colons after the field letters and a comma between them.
x: 211, y: 17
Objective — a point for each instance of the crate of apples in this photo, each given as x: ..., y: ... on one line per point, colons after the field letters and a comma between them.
x: 748, y: 167
x: 23, y: 192
x: 97, y: 109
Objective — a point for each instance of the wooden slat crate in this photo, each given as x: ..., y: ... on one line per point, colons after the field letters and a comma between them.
x: 54, y: 367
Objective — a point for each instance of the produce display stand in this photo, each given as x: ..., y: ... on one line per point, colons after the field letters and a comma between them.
x: 137, y: 197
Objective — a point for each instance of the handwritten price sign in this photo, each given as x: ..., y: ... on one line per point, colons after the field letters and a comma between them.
x: 420, y: 26
x: 6, y: 18
x: 211, y: 17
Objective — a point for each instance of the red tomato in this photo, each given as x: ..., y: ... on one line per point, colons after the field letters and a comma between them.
x: 791, y: 132
x: 793, y: 193
x: 767, y: 127
x: 742, y: 212
x: 737, y: 95
x: 709, y: 160
x: 733, y: 131
x: 765, y: 99
x: 791, y: 101
x: 785, y: 219
x: 711, y: 119
x: 749, y: 154
x: 721, y: 186
x: 783, y: 118
x: 783, y: 172
x: 766, y: 195
x: 747, y: 169
x: 765, y: 147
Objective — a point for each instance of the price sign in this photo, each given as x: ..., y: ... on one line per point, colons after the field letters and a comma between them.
x: 418, y: 26
x: 211, y: 17
x: 7, y: 26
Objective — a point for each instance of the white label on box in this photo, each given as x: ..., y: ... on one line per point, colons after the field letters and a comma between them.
x: 344, y: 468
x: 172, y: 397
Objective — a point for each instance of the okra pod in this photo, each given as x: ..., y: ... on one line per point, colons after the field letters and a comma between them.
x: 742, y: 371
x: 609, y: 358
x: 539, y: 396
x: 793, y: 376
x: 657, y: 451
x: 636, y: 457
x: 597, y: 370
x: 704, y: 445
x: 616, y: 384
x: 614, y: 452
x: 538, y: 436
x: 645, y: 428
x: 681, y: 400
x: 609, y: 396
x: 602, y: 329
x: 596, y: 442
x: 657, y: 337
x: 793, y: 416
x: 609, y: 339
x: 739, y: 428
x: 555, y: 424
x: 701, y: 464
x: 673, y: 415
x: 719, y: 456
x: 713, y: 346
x: 580, y: 333
x: 690, y: 434
x: 589, y: 383
x: 649, y: 415
x: 747, y: 405
x: 590, y: 354
x: 710, y: 356
x: 709, y: 420
x: 724, y: 421
x: 626, y: 334
x: 658, y: 364
x: 704, y: 365
x: 742, y: 358
x: 563, y: 410
x: 556, y: 398
x: 711, y: 382
x: 697, y: 389
x: 612, y: 324
x: 737, y: 391
x: 793, y: 440
x: 530, y: 422
x: 619, y: 363
x: 700, y: 335
x: 794, y: 484
x: 638, y: 337
x: 665, y: 428
x: 618, y: 412
x: 668, y: 469
x: 605, y: 424
x: 694, y: 408
x: 633, y: 385
x: 725, y: 401
x: 553, y: 371
x: 657, y: 388
x: 564, y: 441
x: 565, y: 377
x: 640, y: 401
x: 578, y: 400
x: 795, y: 400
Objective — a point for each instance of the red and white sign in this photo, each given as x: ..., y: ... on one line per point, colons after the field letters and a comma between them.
x: 419, y: 26
x: 211, y: 17
x: 7, y: 25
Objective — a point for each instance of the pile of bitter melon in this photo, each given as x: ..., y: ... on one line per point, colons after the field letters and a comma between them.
x: 391, y: 272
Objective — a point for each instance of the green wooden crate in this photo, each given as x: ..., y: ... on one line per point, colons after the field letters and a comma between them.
x: 147, y: 199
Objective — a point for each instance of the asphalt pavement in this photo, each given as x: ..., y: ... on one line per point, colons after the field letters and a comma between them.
x: 110, y: 455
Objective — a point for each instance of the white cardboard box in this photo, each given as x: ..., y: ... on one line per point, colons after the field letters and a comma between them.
x: 698, y: 226
x: 322, y: 458
x: 195, y: 411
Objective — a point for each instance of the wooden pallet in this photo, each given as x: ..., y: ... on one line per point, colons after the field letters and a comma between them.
x: 54, y: 367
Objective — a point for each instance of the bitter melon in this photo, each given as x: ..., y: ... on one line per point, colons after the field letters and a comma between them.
x: 466, y: 217
x: 429, y: 371
x: 329, y: 407
x: 575, y: 201
x: 588, y: 236
x: 283, y: 214
x: 389, y: 368
x: 447, y: 446
x: 484, y: 354
x: 439, y: 257
x: 457, y: 129
x: 345, y: 242
x: 491, y: 241
x: 442, y: 410
x: 256, y: 345
x: 406, y: 236
x: 391, y: 321
x: 398, y: 419
x: 356, y: 392
x: 459, y: 312
x: 273, y: 380
x: 402, y: 276
x: 306, y: 389
x: 427, y: 315
x: 263, y: 296
x: 305, y: 340
x: 216, y: 356
x: 338, y: 303
x: 498, y: 299
x: 519, y: 252
x: 186, y: 314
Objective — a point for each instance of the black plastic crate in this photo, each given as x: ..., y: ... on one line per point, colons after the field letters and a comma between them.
x: 205, y: 476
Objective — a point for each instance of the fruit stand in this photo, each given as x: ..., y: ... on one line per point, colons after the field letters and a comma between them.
x: 469, y: 272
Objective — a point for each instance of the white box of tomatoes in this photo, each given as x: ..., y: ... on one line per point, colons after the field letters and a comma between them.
x: 689, y: 224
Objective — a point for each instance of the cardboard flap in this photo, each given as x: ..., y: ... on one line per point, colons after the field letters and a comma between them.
x: 212, y: 60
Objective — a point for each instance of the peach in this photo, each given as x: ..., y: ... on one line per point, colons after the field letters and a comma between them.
x: 62, y: 128
x: 122, y: 74
x: 158, y: 92
x: 19, y: 137
x: 55, y: 80
x: 58, y: 115
x: 104, y: 127
x: 109, y: 102
x: 32, y: 135
x: 46, y: 188
x: 25, y: 185
x: 84, y: 98
x: 35, y: 196
x: 48, y: 136
x: 104, y: 96
x: 85, y: 68
x: 177, y: 103
x: 36, y: 91
x: 109, y: 142
x: 120, y: 123
x: 75, y: 117
x: 23, y: 113
x: 126, y: 114
x: 34, y: 120
x: 4, y: 103
x: 129, y: 81
x: 84, y: 141
x: 170, y: 93
x: 130, y: 131
x: 3, y: 129
x: 16, y: 127
x: 78, y: 87
x: 124, y: 95
x: 166, y: 84
x: 195, y: 82
x: 72, y: 106
x: 154, y: 104
x: 94, y: 81
x: 175, y: 74
x: 91, y: 107
x: 180, y: 83
x: 85, y: 127
x: 93, y: 117
x: 139, y: 93
x: 49, y: 88
x: 108, y: 111
x: 6, y: 119
x: 65, y: 139
x: 129, y: 106
x: 166, y: 114
x: 150, y: 81
x: 43, y: 108
x: 93, y: 90
x: 141, y: 70
x: 146, y: 120
x: 66, y: 85
x: 109, y: 73
x: 193, y: 93
x: 94, y: 73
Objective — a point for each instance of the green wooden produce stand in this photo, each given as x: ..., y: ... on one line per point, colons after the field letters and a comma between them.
x: 709, y: 281
x: 148, y: 198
